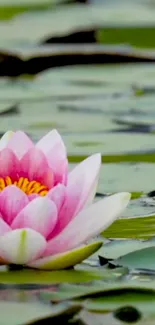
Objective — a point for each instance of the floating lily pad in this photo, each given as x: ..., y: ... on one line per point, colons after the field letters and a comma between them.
x: 138, y: 259
x: 138, y: 178
x: 123, y: 76
x: 93, y: 15
x: 133, y: 121
x: 21, y: 313
x: 98, y: 290
x: 125, y: 143
x: 63, y: 121
x: 11, y: 8
x: 142, y: 228
x: 12, y: 3
x: 118, y: 248
x: 47, y: 277
x: 143, y: 301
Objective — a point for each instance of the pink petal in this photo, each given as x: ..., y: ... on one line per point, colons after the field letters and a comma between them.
x: 5, y: 139
x: 88, y: 173
x: 20, y: 143
x: 40, y: 215
x: 49, y: 141
x: 65, y: 260
x: 57, y: 160
x: 9, y: 164
x: 55, y: 151
x: 4, y: 228
x: 21, y: 246
x: 66, y: 213
x: 12, y: 201
x: 33, y: 196
x: 57, y: 195
x: 34, y: 166
x: 80, y: 191
x: 88, y: 223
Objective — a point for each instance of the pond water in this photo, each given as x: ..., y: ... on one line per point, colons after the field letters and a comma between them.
x: 88, y: 70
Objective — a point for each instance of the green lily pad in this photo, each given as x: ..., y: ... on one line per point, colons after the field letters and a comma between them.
x: 137, y: 178
x: 117, y: 77
x: 143, y: 301
x: 21, y: 313
x: 138, y: 259
x: 138, y: 36
x: 115, y: 249
x: 119, y: 21
x: 64, y: 316
x: 45, y: 277
x: 11, y: 8
x: 127, y: 143
x: 117, y: 158
x: 142, y: 227
x: 98, y: 290
x: 133, y: 121
x: 12, y: 3
x: 63, y: 121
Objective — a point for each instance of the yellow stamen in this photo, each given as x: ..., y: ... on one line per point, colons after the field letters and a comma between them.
x: 25, y: 184
x: 29, y: 187
x: 8, y: 180
x: 40, y: 188
x: 43, y: 193
x: 2, y: 183
x: 20, y: 182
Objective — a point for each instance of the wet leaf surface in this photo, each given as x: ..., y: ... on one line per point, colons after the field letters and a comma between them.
x: 138, y: 259
x: 141, y: 227
x: 113, y: 250
x: 48, y: 277
x: 21, y: 313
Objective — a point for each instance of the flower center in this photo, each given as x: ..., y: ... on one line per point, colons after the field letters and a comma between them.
x: 25, y: 185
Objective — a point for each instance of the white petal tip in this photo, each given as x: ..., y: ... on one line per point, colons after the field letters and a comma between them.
x: 126, y: 196
x: 5, y: 139
x: 123, y: 197
x: 54, y: 132
x: 97, y: 156
x: 9, y: 134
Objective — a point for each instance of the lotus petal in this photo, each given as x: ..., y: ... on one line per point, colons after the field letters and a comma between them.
x: 12, y: 201
x: 9, y: 164
x: 57, y: 195
x: 4, y: 227
x: 88, y: 223
x: 20, y: 143
x: 21, y: 246
x: 34, y: 166
x: 54, y: 149
x: 40, y: 214
x: 67, y: 259
x: 5, y: 139
x: 88, y: 172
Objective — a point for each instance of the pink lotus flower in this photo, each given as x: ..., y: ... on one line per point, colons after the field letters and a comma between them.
x: 46, y: 212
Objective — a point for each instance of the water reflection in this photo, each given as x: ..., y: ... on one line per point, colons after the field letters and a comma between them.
x: 24, y: 293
